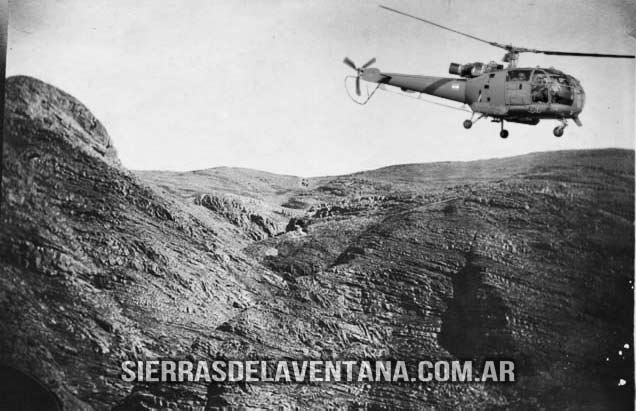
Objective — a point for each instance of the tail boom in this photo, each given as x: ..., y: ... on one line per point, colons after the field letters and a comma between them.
x: 444, y: 87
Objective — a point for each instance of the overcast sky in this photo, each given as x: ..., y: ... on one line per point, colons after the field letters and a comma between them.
x: 185, y: 85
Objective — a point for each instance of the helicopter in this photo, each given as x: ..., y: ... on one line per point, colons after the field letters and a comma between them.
x: 515, y: 94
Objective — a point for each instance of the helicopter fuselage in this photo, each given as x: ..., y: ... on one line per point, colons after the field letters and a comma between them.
x: 523, y: 95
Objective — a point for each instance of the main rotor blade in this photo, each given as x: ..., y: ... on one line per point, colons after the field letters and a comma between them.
x: 511, y: 48
x: 358, y: 86
x: 349, y: 63
x: 565, y: 53
x: 368, y: 63
x: 492, y: 43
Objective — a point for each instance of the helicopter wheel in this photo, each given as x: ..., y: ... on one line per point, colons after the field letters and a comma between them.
x: 503, y: 134
x: 558, y: 131
x: 468, y: 124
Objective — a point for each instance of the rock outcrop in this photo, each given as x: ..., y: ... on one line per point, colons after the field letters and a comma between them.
x: 255, y: 225
x: 528, y: 258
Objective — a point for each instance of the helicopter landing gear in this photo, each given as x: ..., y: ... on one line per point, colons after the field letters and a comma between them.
x: 503, y: 133
x: 469, y: 123
x: 558, y: 130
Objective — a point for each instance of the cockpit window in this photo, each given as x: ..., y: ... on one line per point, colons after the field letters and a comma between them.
x: 518, y: 75
x: 539, y: 76
x: 560, y: 79
x: 551, y: 86
x: 540, y: 87
x: 553, y: 71
x: 561, y: 90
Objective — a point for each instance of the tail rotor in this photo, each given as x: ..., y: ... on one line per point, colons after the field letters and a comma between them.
x: 359, y: 70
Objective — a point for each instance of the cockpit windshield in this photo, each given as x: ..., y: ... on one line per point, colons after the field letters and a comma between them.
x: 551, y: 86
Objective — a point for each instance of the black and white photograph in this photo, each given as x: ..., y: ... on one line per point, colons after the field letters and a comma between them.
x: 302, y: 204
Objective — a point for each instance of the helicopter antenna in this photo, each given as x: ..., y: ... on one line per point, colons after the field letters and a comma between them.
x: 512, y: 53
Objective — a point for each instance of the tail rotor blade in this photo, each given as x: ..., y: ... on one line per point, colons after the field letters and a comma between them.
x: 368, y: 63
x: 349, y: 63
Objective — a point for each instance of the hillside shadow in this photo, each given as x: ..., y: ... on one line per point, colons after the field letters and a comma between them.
x: 474, y: 326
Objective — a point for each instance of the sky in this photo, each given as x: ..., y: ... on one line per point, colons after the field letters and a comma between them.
x: 184, y: 85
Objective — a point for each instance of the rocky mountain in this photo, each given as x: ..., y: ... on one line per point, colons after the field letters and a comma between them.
x: 528, y: 258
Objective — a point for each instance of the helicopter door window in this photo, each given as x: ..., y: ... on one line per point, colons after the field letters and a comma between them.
x: 518, y: 75
x: 540, y: 87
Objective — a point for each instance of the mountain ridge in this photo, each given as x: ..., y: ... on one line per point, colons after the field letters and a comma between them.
x: 422, y: 163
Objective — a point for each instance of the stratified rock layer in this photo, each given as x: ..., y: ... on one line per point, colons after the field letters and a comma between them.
x: 528, y: 258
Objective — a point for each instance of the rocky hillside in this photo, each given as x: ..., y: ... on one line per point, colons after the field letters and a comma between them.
x: 529, y: 258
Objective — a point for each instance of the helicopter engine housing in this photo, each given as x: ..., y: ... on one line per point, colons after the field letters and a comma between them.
x: 471, y: 70
x: 468, y: 70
